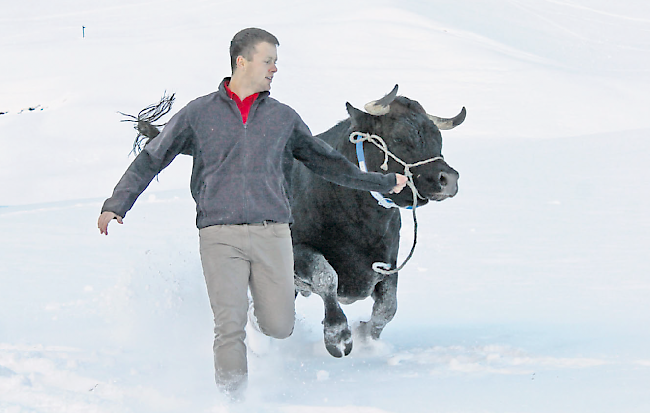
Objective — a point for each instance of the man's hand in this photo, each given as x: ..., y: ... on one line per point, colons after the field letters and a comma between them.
x: 104, y: 219
x: 401, y: 183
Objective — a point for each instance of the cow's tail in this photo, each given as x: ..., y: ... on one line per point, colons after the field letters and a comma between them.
x: 144, y: 122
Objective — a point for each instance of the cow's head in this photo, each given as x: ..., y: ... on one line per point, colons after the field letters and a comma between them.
x: 413, y: 136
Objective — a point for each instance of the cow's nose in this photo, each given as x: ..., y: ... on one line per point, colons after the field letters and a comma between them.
x: 443, y: 178
x: 448, y: 182
x: 446, y: 178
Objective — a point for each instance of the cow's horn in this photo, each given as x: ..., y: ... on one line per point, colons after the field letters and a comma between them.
x: 446, y: 124
x: 381, y: 106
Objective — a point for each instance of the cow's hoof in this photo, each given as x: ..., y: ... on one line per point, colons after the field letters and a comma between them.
x: 367, y: 330
x: 338, y: 340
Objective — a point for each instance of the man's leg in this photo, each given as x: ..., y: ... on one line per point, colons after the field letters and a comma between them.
x: 271, y: 283
x: 227, y: 270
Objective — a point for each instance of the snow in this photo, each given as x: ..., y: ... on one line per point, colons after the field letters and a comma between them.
x: 528, y: 292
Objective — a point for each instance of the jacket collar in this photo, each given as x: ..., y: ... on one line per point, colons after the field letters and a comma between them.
x: 223, y: 92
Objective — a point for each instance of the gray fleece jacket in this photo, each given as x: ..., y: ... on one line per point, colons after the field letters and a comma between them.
x: 241, y: 172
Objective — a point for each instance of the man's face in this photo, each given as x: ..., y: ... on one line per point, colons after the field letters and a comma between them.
x: 259, y: 71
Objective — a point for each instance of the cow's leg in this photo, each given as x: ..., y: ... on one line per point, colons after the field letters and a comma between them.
x: 313, y: 272
x: 384, y: 308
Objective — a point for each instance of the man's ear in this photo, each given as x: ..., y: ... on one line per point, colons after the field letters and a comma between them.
x: 241, y: 62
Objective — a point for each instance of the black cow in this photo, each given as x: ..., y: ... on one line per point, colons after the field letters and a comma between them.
x: 338, y: 233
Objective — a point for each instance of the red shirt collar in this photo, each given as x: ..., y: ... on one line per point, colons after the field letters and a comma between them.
x: 245, y: 105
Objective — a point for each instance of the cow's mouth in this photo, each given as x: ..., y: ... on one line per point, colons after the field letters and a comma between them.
x: 440, y: 196
x: 425, y: 198
x: 435, y: 195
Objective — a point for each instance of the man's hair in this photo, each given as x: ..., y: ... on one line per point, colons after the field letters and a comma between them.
x: 244, y: 42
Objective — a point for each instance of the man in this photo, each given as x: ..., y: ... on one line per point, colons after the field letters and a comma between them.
x: 243, y: 143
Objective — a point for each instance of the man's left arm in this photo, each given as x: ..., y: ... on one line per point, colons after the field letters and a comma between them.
x: 327, y: 162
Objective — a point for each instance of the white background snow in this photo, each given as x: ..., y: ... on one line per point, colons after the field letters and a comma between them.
x: 528, y: 292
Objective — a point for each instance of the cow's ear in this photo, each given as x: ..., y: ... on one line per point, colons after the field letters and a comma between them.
x: 359, y: 118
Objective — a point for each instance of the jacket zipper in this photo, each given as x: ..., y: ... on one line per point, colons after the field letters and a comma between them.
x: 244, y: 169
x: 244, y: 189
x: 245, y: 158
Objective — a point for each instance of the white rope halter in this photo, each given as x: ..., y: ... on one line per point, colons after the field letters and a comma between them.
x: 358, y: 138
x: 378, y: 141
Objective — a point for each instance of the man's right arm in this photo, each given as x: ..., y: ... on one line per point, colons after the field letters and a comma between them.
x: 156, y: 156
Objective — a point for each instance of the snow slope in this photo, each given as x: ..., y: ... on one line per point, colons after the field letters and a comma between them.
x: 528, y: 291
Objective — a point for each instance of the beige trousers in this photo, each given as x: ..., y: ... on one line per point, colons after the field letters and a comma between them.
x: 236, y: 258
